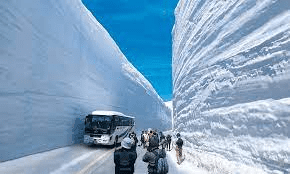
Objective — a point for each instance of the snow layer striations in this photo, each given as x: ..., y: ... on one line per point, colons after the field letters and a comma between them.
x: 57, y: 64
x: 231, y: 78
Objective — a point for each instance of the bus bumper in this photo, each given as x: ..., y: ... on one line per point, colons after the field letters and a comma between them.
x: 88, y: 139
x: 95, y: 140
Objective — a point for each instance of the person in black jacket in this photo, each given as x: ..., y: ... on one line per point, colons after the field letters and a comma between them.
x: 133, y: 136
x: 125, y: 157
x: 142, y: 139
x: 162, y: 137
x: 168, y: 141
x: 162, y: 140
x: 179, y: 144
x: 153, y: 154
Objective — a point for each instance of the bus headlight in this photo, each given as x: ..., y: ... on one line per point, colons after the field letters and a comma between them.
x: 106, y: 137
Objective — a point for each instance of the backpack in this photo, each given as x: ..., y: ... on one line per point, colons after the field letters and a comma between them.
x: 125, y: 164
x: 179, y: 142
x: 124, y: 159
x: 161, y: 164
x: 154, y: 141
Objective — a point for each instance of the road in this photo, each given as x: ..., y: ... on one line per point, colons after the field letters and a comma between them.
x: 82, y: 159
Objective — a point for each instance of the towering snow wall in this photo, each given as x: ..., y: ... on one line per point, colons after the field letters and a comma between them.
x: 231, y: 78
x: 57, y: 64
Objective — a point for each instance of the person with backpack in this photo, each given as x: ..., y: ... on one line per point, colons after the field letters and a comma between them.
x: 179, y: 144
x: 168, y: 142
x: 125, y: 157
x: 155, y: 157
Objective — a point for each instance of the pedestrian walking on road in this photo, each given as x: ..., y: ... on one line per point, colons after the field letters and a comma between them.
x: 163, y: 142
x: 179, y: 144
x: 168, y: 142
x: 153, y: 154
x: 135, y: 140
x: 162, y: 137
x: 142, y: 139
x: 146, y: 139
x: 125, y: 157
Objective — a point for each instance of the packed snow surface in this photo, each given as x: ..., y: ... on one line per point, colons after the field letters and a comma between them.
x: 231, y: 81
x: 58, y: 64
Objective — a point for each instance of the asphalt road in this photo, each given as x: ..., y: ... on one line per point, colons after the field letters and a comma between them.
x: 78, y: 159
x: 106, y: 165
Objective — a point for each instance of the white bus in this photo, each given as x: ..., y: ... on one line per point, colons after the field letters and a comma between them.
x: 107, y: 127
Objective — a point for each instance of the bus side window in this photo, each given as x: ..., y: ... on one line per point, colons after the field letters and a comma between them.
x: 130, y: 121
x: 121, y: 122
x: 127, y: 121
x: 118, y: 121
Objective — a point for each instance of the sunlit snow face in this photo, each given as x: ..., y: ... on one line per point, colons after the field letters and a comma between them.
x: 142, y: 30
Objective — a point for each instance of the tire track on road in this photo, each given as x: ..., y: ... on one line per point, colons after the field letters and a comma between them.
x: 87, y: 168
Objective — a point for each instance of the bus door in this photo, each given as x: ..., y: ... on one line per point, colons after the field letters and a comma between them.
x: 117, y: 125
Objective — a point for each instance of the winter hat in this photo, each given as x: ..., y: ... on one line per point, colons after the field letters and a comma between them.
x: 178, y: 135
x: 149, y: 130
x: 127, y: 143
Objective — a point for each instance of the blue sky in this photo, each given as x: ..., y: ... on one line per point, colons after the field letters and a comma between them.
x: 142, y: 30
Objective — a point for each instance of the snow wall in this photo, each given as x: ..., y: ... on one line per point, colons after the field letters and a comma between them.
x: 231, y: 80
x: 58, y: 64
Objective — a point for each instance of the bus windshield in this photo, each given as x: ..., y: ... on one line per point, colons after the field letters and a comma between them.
x: 99, y: 123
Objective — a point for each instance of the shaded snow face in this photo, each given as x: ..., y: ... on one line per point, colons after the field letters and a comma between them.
x: 58, y: 64
x: 231, y: 76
